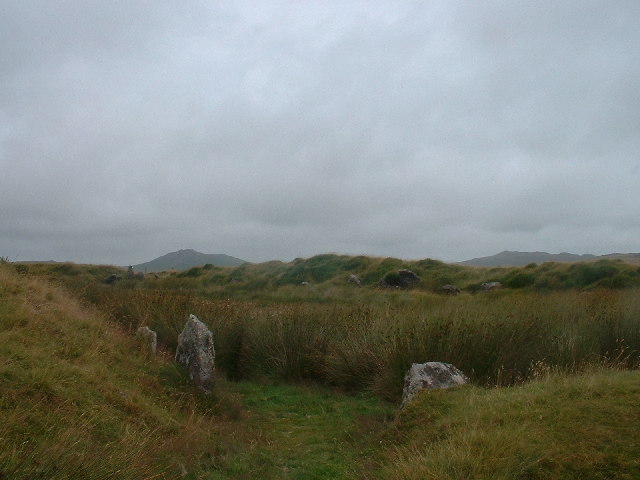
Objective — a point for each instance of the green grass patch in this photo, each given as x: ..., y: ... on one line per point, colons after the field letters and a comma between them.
x: 298, y: 432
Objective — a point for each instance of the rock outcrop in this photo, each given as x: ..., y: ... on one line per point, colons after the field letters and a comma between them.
x: 113, y: 278
x: 450, y: 289
x: 149, y: 337
x: 400, y: 279
x: 196, y: 353
x: 354, y: 279
x: 430, y: 375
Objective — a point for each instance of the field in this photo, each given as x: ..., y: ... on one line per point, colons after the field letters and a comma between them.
x: 311, y: 370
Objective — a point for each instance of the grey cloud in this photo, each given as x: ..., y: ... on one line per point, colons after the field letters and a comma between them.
x: 278, y: 130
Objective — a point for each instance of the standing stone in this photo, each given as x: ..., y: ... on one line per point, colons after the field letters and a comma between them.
x: 430, y: 375
x: 195, y: 352
x: 149, y: 337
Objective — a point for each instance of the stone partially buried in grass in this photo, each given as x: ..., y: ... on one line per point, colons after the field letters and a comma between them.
x: 196, y: 353
x: 430, y: 375
x: 149, y: 338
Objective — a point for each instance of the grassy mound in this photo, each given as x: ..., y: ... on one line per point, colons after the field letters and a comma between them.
x: 555, y: 428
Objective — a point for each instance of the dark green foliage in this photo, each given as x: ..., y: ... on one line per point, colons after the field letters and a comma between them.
x: 429, y: 263
x: 356, y: 263
x: 392, y: 279
x: 320, y: 268
x: 21, y: 268
x: 586, y: 274
x: 66, y: 269
x: 193, y: 272
x: 520, y: 280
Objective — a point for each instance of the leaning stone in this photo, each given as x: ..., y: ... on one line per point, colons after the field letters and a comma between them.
x: 196, y: 353
x: 430, y: 375
x: 149, y: 337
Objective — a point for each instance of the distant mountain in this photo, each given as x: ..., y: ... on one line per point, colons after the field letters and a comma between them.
x: 518, y: 259
x: 626, y: 257
x: 183, y: 259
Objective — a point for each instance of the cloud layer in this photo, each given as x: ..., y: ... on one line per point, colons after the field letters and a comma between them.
x: 410, y: 129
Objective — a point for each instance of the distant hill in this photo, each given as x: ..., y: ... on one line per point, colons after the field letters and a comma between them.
x: 518, y: 259
x: 184, y: 259
x: 626, y: 257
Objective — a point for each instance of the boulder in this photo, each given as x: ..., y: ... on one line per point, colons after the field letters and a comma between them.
x: 487, y: 286
x: 430, y: 375
x: 149, y: 337
x: 196, y: 353
x: 354, y: 279
x: 450, y: 289
x: 409, y: 278
x: 400, y: 279
x: 113, y: 278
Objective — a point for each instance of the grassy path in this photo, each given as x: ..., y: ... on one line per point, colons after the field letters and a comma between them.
x: 295, y: 432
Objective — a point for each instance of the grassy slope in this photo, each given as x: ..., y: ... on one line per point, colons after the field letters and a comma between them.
x: 78, y: 399
x: 556, y: 428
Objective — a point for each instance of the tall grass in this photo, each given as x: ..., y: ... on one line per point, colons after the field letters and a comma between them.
x: 79, y: 400
x: 500, y: 338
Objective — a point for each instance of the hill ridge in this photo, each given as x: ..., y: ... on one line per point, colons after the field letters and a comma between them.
x: 512, y: 258
x: 187, y: 258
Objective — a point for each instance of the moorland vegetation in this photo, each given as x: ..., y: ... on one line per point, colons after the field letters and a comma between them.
x: 311, y: 371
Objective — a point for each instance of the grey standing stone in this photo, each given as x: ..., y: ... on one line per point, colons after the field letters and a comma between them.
x: 149, y: 337
x: 430, y: 375
x: 196, y: 353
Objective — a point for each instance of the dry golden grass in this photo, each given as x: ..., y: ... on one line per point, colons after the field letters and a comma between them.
x: 79, y: 400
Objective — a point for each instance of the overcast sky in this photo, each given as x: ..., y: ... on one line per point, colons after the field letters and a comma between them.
x: 282, y: 129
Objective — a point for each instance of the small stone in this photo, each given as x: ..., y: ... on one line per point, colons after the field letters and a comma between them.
x: 430, y: 375
x: 149, y: 337
x: 450, y: 289
x: 488, y: 286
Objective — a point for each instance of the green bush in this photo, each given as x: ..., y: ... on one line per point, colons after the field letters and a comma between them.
x: 521, y: 280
